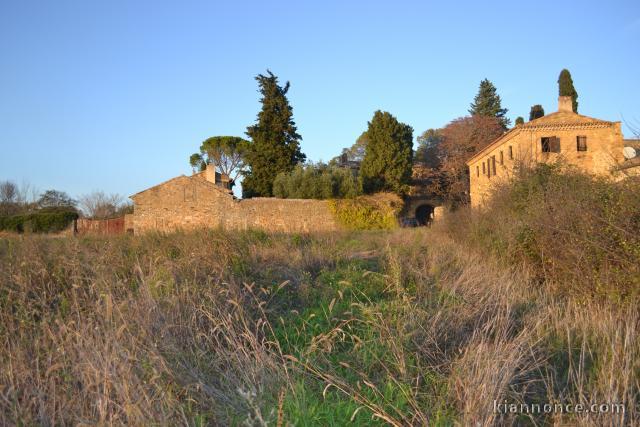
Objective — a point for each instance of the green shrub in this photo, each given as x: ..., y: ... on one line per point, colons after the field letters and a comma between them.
x: 378, y: 212
x: 579, y: 233
x: 316, y: 182
x: 48, y: 221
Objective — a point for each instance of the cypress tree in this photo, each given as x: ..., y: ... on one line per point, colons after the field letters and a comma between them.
x: 519, y: 120
x: 488, y: 103
x: 565, y: 88
x: 536, y: 112
x: 275, y: 143
x: 387, y: 163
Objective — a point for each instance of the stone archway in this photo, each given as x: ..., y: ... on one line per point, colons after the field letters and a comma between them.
x: 424, y: 214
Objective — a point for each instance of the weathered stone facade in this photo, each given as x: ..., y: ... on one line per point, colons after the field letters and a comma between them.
x: 188, y: 202
x: 592, y: 145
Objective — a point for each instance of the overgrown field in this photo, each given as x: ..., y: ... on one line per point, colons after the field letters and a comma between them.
x: 404, y: 328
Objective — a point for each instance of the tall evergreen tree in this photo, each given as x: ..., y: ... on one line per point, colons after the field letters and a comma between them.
x: 487, y: 103
x: 388, y: 156
x: 565, y: 88
x: 536, y: 112
x: 275, y: 143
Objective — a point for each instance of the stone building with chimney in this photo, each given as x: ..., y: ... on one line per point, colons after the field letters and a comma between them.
x: 205, y: 199
x: 593, y: 145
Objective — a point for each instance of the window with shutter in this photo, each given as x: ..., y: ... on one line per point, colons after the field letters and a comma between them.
x: 550, y: 144
x: 582, y: 143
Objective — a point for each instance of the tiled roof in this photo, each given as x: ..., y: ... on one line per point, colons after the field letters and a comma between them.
x: 559, y: 120
x: 565, y: 120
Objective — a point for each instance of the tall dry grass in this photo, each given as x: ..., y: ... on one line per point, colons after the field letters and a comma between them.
x: 412, y: 327
x: 165, y: 329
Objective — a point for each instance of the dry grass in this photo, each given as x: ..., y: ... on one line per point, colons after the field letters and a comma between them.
x: 401, y: 328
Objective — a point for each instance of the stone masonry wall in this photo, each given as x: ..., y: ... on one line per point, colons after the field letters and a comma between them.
x: 191, y: 202
x: 604, y: 151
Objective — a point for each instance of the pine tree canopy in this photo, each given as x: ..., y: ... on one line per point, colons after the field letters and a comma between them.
x: 387, y: 163
x: 536, y: 112
x: 275, y: 143
x: 519, y: 120
x: 565, y: 88
x: 487, y: 103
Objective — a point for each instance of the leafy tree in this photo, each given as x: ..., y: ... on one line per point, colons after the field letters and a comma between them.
x: 461, y: 139
x: 565, y: 88
x: 519, y: 120
x: 487, y: 103
x: 536, y: 112
x: 56, y: 199
x: 319, y: 181
x: 275, y: 145
x: 388, y: 157
x: 197, y: 162
x: 427, y: 151
x: 226, y: 153
x: 355, y: 153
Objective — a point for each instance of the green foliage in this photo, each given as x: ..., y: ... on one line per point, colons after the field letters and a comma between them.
x: 536, y: 112
x: 56, y: 199
x: 519, y: 120
x: 316, y: 182
x: 377, y: 212
x: 487, y: 103
x: 226, y: 153
x: 275, y: 146
x: 565, y: 88
x: 427, y: 152
x: 197, y: 162
x: 355, y: 153
x: 571, y: 228
x: 388, y: 157
x: 46, y: 221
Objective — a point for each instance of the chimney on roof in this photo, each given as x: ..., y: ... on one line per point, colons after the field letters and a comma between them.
x: 565, y: 104
x: 210, y: 173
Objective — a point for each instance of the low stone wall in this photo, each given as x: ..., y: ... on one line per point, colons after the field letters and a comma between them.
x: 286, y: 215
x: 188, y: 203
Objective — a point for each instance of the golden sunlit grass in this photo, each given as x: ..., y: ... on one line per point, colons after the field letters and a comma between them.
x: 400, y: 328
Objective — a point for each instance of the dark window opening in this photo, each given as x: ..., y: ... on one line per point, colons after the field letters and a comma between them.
x: 424, y: 214
x: 501, y: 158
x: 510, y: 152
x: 582, y: 143
x: 550, y: 144
x: 484, y: 171
x: 493, y: 164
x: 488, y: 168
x: 477, y: 170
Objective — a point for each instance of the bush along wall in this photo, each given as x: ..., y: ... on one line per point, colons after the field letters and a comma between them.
x: 38, y: 222
x: 377, y: 212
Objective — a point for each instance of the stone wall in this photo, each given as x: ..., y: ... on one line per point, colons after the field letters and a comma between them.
x: 286, y: 215
x: 523, y: 145
x: 604, y: 149
x: 192, y: 202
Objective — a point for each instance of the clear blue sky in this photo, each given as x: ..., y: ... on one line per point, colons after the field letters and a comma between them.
x: 115, y: 95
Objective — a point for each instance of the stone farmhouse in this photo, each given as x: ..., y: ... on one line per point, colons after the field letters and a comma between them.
x: 205, y: 200
x: 593, y: 145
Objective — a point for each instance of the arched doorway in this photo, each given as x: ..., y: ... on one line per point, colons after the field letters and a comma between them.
x: 424, y: 214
